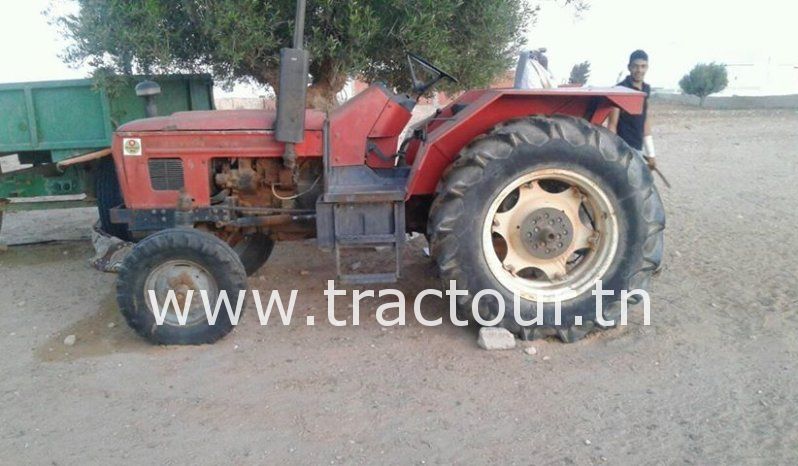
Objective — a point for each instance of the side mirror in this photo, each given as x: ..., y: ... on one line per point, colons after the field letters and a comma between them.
x: 148, y: 90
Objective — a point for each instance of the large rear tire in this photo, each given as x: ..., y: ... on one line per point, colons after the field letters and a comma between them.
x: 542, y: 208
x: 109, y: 196
x: 180, y: 260
x: 253, y: 250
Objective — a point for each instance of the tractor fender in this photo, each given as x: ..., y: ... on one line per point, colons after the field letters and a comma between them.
x: 477, y: 112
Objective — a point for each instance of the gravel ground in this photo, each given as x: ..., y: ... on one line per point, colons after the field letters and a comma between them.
x: 711, y: 381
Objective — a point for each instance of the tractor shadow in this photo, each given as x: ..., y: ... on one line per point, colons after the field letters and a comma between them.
x: 419, y: 273
x: 101, y: 334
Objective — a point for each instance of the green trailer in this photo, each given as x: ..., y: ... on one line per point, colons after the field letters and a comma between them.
x: 60, y: 132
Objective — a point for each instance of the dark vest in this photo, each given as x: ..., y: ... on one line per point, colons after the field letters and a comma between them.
x: 630, y: 127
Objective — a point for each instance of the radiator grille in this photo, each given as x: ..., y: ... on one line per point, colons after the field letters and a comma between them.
x: 166, y: 174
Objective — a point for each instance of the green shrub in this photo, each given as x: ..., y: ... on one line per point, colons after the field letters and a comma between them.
x: 705, y: 79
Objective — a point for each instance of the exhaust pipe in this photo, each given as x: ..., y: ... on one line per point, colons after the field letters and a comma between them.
x: 292, y: 94
x: 148, y: 90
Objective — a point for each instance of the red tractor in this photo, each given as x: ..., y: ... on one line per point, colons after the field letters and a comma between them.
x: 518, y: 191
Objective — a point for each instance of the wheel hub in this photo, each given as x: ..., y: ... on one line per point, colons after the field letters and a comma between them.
x: 550, y: 233
x: 547, y: 233
x: 181, y: 276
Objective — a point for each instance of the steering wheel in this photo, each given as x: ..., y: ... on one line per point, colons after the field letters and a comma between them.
x: 419, y: 86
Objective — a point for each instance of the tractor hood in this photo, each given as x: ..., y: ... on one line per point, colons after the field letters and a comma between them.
x: 219, y: 120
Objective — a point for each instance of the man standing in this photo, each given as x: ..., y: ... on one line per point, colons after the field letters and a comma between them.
x: 636, y: 129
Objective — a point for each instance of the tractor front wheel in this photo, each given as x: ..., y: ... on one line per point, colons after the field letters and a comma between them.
x: 543, y: 208
x: 181, y: 262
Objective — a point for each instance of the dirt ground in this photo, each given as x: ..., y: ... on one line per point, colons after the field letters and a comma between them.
x: 711, y: 381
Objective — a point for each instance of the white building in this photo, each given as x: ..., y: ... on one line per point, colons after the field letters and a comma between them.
x: 766, y: 77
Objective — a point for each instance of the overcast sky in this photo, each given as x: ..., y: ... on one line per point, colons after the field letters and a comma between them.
x: 676, y: 34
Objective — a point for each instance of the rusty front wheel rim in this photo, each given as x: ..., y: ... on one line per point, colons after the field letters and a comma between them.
x: 550, y: 245
x: 181, y: 276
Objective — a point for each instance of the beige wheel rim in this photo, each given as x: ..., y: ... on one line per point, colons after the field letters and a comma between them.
x: 550, y: 234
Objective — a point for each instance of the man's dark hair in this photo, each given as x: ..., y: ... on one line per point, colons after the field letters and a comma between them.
x: 638, y: 55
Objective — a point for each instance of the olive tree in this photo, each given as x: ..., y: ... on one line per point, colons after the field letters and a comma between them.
x: 705, y: 79
x: 239, y: 40
x: 580, y: 73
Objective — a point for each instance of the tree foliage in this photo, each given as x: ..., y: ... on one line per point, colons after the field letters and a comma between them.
x: 705, y: 79
x: 240, y: 39
x: 580, y: 73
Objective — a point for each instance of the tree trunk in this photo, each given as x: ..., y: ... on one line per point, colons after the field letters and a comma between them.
x: 327, y: 83
x: 322, y: 94
x: 270, y: 77
x: 703, y: 99
x: 322, y: 91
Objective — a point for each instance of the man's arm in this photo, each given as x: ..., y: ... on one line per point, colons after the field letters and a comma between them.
x: 612, y: 121
x: 648, y: 144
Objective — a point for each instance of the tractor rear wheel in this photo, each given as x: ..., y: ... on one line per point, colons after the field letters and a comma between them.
x: 109, y: 196
x: 542, y: 208
x: 254, y: 251
x: 179, y: 260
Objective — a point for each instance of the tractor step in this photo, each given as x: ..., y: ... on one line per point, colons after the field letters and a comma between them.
x: 366, y: 236
x: 367, y: 278
x: 364, y: 240
x: 361, y: 218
